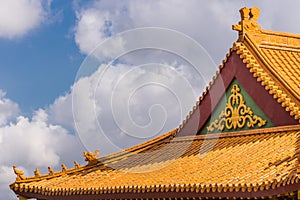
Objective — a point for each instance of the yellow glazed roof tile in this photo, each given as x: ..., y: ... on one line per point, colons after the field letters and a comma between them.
x: 280, y: 59
x: 276, y: 71
x: 250, y: 159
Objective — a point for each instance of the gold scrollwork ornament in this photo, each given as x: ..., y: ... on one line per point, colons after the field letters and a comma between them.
x: 236, y: 114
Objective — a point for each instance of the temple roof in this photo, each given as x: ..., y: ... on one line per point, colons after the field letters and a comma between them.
x: 248, y: 163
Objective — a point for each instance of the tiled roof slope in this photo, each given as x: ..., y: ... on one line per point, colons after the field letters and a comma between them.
x: 281, y: 53
x: 276, y: 65
x: 260, y: 159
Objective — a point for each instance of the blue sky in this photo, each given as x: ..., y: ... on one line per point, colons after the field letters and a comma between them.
x: 38, y: 67
x: 44, y: 42
x: 42, y: 64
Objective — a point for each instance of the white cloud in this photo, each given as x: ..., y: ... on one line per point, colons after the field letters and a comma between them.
x: 17, y: 17
x: 120, y: 85
x: 92, y: 28
x: 60, y: 111
x: 202, y: 21
x: 9, y: 109
x: 7, y: 177
x: 209, y: 23
x: 129, y: 104
x: 30, y: 143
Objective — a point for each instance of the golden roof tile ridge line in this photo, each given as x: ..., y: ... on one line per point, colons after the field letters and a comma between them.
x: 138, y: 148
x: 149, y: 142
x: 199, y: 101
x: 55, y: 174
x: 270, y: 130
x: 265, y: 60
x: 278, y: 33
x: 44, y: 176
x: 267, y: 81
x: 277, y: 46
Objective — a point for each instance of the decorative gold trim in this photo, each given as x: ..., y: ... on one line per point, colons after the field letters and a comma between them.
x: 236, y: 114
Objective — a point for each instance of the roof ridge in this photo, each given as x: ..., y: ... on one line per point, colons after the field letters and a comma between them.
x: 168, y: 135
x: 99, y: 162
x: 279, y: 91
x: 207, y: 88
x: 268, y: 130
x: 281, y: 33
x: 273, y: 39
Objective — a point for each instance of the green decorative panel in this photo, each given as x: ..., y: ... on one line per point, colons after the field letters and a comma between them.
x: 236, y: 111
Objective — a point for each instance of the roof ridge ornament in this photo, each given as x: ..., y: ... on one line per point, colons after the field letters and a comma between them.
x: 76, y: 164
x: 248, y: 23
x: 91, y: 157
x: 37, y: 172
x: 63, y: 168
x: 19, y: 173
x: 51, y: 171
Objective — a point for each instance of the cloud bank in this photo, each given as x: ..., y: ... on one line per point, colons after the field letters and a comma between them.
x: 30, y: 143
x: 18, y: 17
x: 209, y: 23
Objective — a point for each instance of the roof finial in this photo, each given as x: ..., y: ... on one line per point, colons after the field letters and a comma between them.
x: 248, y: 23
x: 19, y: 173
x: 51, y: 171
x: 91, y: 157
x: 77, y: 165
x: 254, y: 13
x: 63, y: 167
x: 37, y: 172
x: 244, y: 12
